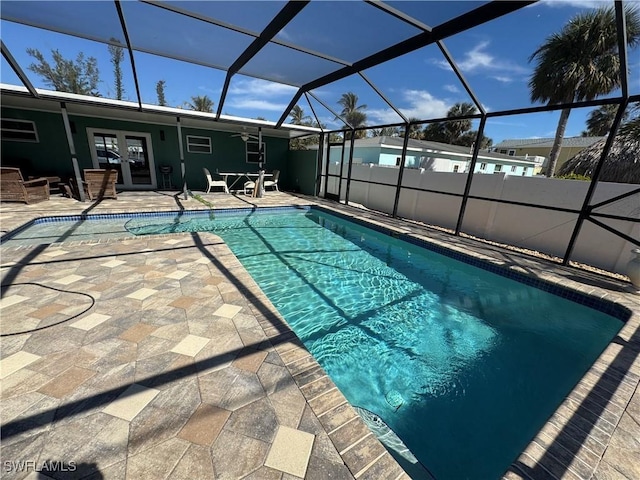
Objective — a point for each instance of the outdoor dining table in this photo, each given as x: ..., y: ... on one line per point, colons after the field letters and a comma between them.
x: 237, y: 176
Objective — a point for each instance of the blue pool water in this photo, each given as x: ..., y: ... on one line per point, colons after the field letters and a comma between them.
x: 464, y: 365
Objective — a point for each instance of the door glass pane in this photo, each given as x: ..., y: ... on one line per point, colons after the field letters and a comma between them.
x: 108, y: 153
x: 138, y: 160
x: 335, y: 167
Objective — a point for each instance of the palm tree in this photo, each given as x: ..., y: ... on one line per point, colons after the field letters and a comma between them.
x: 631, y: 129
x: 353, y: 113
x: 456, y: 128
x: 600, y: 120
x: 201, y: 104
x: 386, y: 132
x: 298, y: 117
x: 580, y: 63
x: 454, y: 132
x: 415, y: 131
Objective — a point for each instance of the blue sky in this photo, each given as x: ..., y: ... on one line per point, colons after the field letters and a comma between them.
x: 493, y: 57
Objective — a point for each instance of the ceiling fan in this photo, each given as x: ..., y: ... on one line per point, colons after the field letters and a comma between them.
x: 245, y: 136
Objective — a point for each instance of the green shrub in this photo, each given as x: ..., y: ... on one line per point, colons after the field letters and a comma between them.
x: 575, y: 176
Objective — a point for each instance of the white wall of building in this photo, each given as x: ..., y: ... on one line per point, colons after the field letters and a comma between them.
x: 435, y: 161
x: 546, y: 231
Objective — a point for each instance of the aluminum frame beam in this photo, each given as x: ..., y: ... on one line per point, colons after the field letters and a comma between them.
x: 284, y: 16
x: 125, y: 32
x: 18, y: 70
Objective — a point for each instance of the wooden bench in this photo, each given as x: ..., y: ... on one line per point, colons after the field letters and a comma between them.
x: 13, y: 187
x: 98, y: 183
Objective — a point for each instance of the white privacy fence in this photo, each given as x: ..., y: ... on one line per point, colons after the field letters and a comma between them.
x: 547, y: 231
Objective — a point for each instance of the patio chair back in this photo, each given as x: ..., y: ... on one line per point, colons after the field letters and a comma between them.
x: 100, y: 183
x: 273, y: 183
x: 13, y: 187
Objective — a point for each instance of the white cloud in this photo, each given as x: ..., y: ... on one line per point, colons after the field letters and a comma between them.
x: 502, y: 79
x: 572, y: 3
x: 208, y: 90
x: 478, y: 60
x: 256, y: 104
x: 508, y: 124
x: 262, y: 88
x: 421, y: 104
x: 451, y: 88
x: 284, y: 35
x: 330, y: 122
x: 256, y: 94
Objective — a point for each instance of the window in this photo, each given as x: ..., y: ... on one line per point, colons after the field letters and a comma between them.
x: 398, y: 161
x: 497, y: 169
x: 198, y: 144
x: 513, y: 168
x: 483, y: 166
x: 524, y: 171
x: 455, y: 168
x: 19, y: 130
x: 503, y: 151
x: 512, y: 153
x: 253, y: 154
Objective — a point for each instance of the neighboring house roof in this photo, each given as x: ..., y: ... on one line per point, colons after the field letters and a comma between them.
x: 547, y: 142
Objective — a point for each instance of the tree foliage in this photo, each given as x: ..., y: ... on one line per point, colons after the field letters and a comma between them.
x: 298, y: 117
x: 631, y: 127
x: 580, y: 63
x: 353, y: 113
x: 160, y: 93
x: 117, y: 56
x: 456, y: 132
x: 387, y: 132
x: 201, y: 103
x: 575, y: 176
x: 415, y: 131
x: 79, y: 76
x: 600, y: 120
x: 456, y: 128
x: 467, y: 139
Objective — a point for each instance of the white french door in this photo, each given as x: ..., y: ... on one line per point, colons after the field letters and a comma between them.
x: 128, y: 152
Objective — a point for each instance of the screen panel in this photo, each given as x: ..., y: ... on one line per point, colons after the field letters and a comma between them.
x: 345, y: 30
x: 282, y: 64
x: 255, y: 98
x: 251, y: 15
x: 415, y: 87
x: 94, y: 20
x: 91, y: 58
x: 499, y: 58
x: 155, y: 30
x: 182, y: 81
x: 434, y: 13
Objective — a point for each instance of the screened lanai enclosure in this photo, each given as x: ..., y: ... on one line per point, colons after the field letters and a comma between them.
x: 326, y: 75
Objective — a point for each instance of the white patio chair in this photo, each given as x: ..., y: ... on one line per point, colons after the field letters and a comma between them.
x: 274, y: 182
x: 214, y: 183
x: 249, y: 186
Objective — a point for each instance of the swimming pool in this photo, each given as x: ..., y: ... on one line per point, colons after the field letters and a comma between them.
x: 463, y: 364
